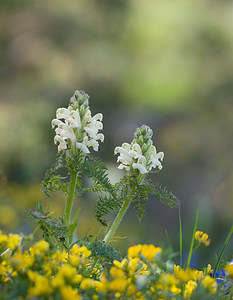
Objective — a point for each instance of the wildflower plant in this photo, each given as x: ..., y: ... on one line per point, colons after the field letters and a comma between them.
x: 77, y: 133
x: 64, y: 267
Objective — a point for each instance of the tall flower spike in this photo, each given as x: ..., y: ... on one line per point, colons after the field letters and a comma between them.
x: 76, y: 129
x: 140, y: 156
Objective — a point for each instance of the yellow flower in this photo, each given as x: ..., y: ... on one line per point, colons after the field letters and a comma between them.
x: 132, y: 266
x: 81, y: 251
x: 131, y: 290
x: 22, y: 261
x: 3, y: 238
x: 74, y: 260
x: 58, y: 281
x: 175, y: 290
x: 68, y: 293
x: 229, y: 269
x: 41, y: 285
x: 209, y: 283
x: 150, y: 251
x: 60, y: 257
x: 101, y: 286
x: 78, y: 255
x: 68, y: 272
x: 186, y: 274
x: 168, y: 280
x: 86, y: 284
x: 6, y: 271
x: 202, y: 238
x: 49, y: 267
x: 117, y: 264
x: 39, y: 248
x: 134, y: 251
x: 77, y: 278
x: 13, y: 241
x: 118, y: 285
x: 189, y: 288
x: 208, y: 269
x: 115, y: 272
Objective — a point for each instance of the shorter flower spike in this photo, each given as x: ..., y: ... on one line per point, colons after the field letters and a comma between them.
x: 76, y: 130
x: 140, y: 155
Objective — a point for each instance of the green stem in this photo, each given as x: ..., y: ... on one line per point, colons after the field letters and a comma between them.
x: 70, y: 197
x: 117, y: 221
x: 192, y: 242
x: 30, y: 237
x: 224, y: 246
x: 180, y: 227
x: 195, y: 249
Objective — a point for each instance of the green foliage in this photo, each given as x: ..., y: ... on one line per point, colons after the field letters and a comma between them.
x: 104, y: 206
x: 141, y: 194
x: 104, y: 252
x: 53, y: 181
x: 49, y: 225
x: 94, y: 168
x: 161, y: 193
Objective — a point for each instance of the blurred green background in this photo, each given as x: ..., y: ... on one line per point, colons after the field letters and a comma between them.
x: 167, y: 64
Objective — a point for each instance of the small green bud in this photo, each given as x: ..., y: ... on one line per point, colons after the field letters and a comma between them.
x: 140, y: 140
x: 80, y: 98
x: 149, y: 143
x: 144, y: 148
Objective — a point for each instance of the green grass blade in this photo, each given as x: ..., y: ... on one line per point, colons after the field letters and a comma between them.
x: 223, y: 249
x: 192, y: 242
x: 181, y: 238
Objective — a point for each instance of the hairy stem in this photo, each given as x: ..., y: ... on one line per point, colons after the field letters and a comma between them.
x: 70, y: 197
x: 117, y: 221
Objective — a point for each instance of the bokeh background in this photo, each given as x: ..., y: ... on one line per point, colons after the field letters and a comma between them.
x: 167, y: 64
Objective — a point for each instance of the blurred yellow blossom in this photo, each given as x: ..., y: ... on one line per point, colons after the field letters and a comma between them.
x: 148, y: 251
x: 229, y: 269
x: 189, y: 288
x: 209, y: 283
x: 202, y: 238
x: 39, y: 248
x: 68, y: 293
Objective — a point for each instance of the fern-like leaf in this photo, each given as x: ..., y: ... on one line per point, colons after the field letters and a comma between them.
x: 104, y: 206
x: 50, y: 225
x: 162, y: 194
x: 105, y: 253
x: 140, y: 197
x: 94, y: 168
x: 52, y: 181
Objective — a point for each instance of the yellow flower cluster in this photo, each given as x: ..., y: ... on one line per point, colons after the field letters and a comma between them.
x: 229, y: 269
x: 149, y: 252
x: 54, y: 274
x: 9, y: 242
x: 202, y: 238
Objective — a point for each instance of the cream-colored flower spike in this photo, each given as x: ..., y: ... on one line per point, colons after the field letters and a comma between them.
x: 140, y: 155
x: 76, y: 129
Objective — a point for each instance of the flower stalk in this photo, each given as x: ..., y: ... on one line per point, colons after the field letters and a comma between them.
x: 117, y: 221
x: 70, y: 197
x: 137, y: 158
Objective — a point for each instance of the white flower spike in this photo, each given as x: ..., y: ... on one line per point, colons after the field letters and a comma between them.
x: 76, y: 129
x: 140, y: 155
